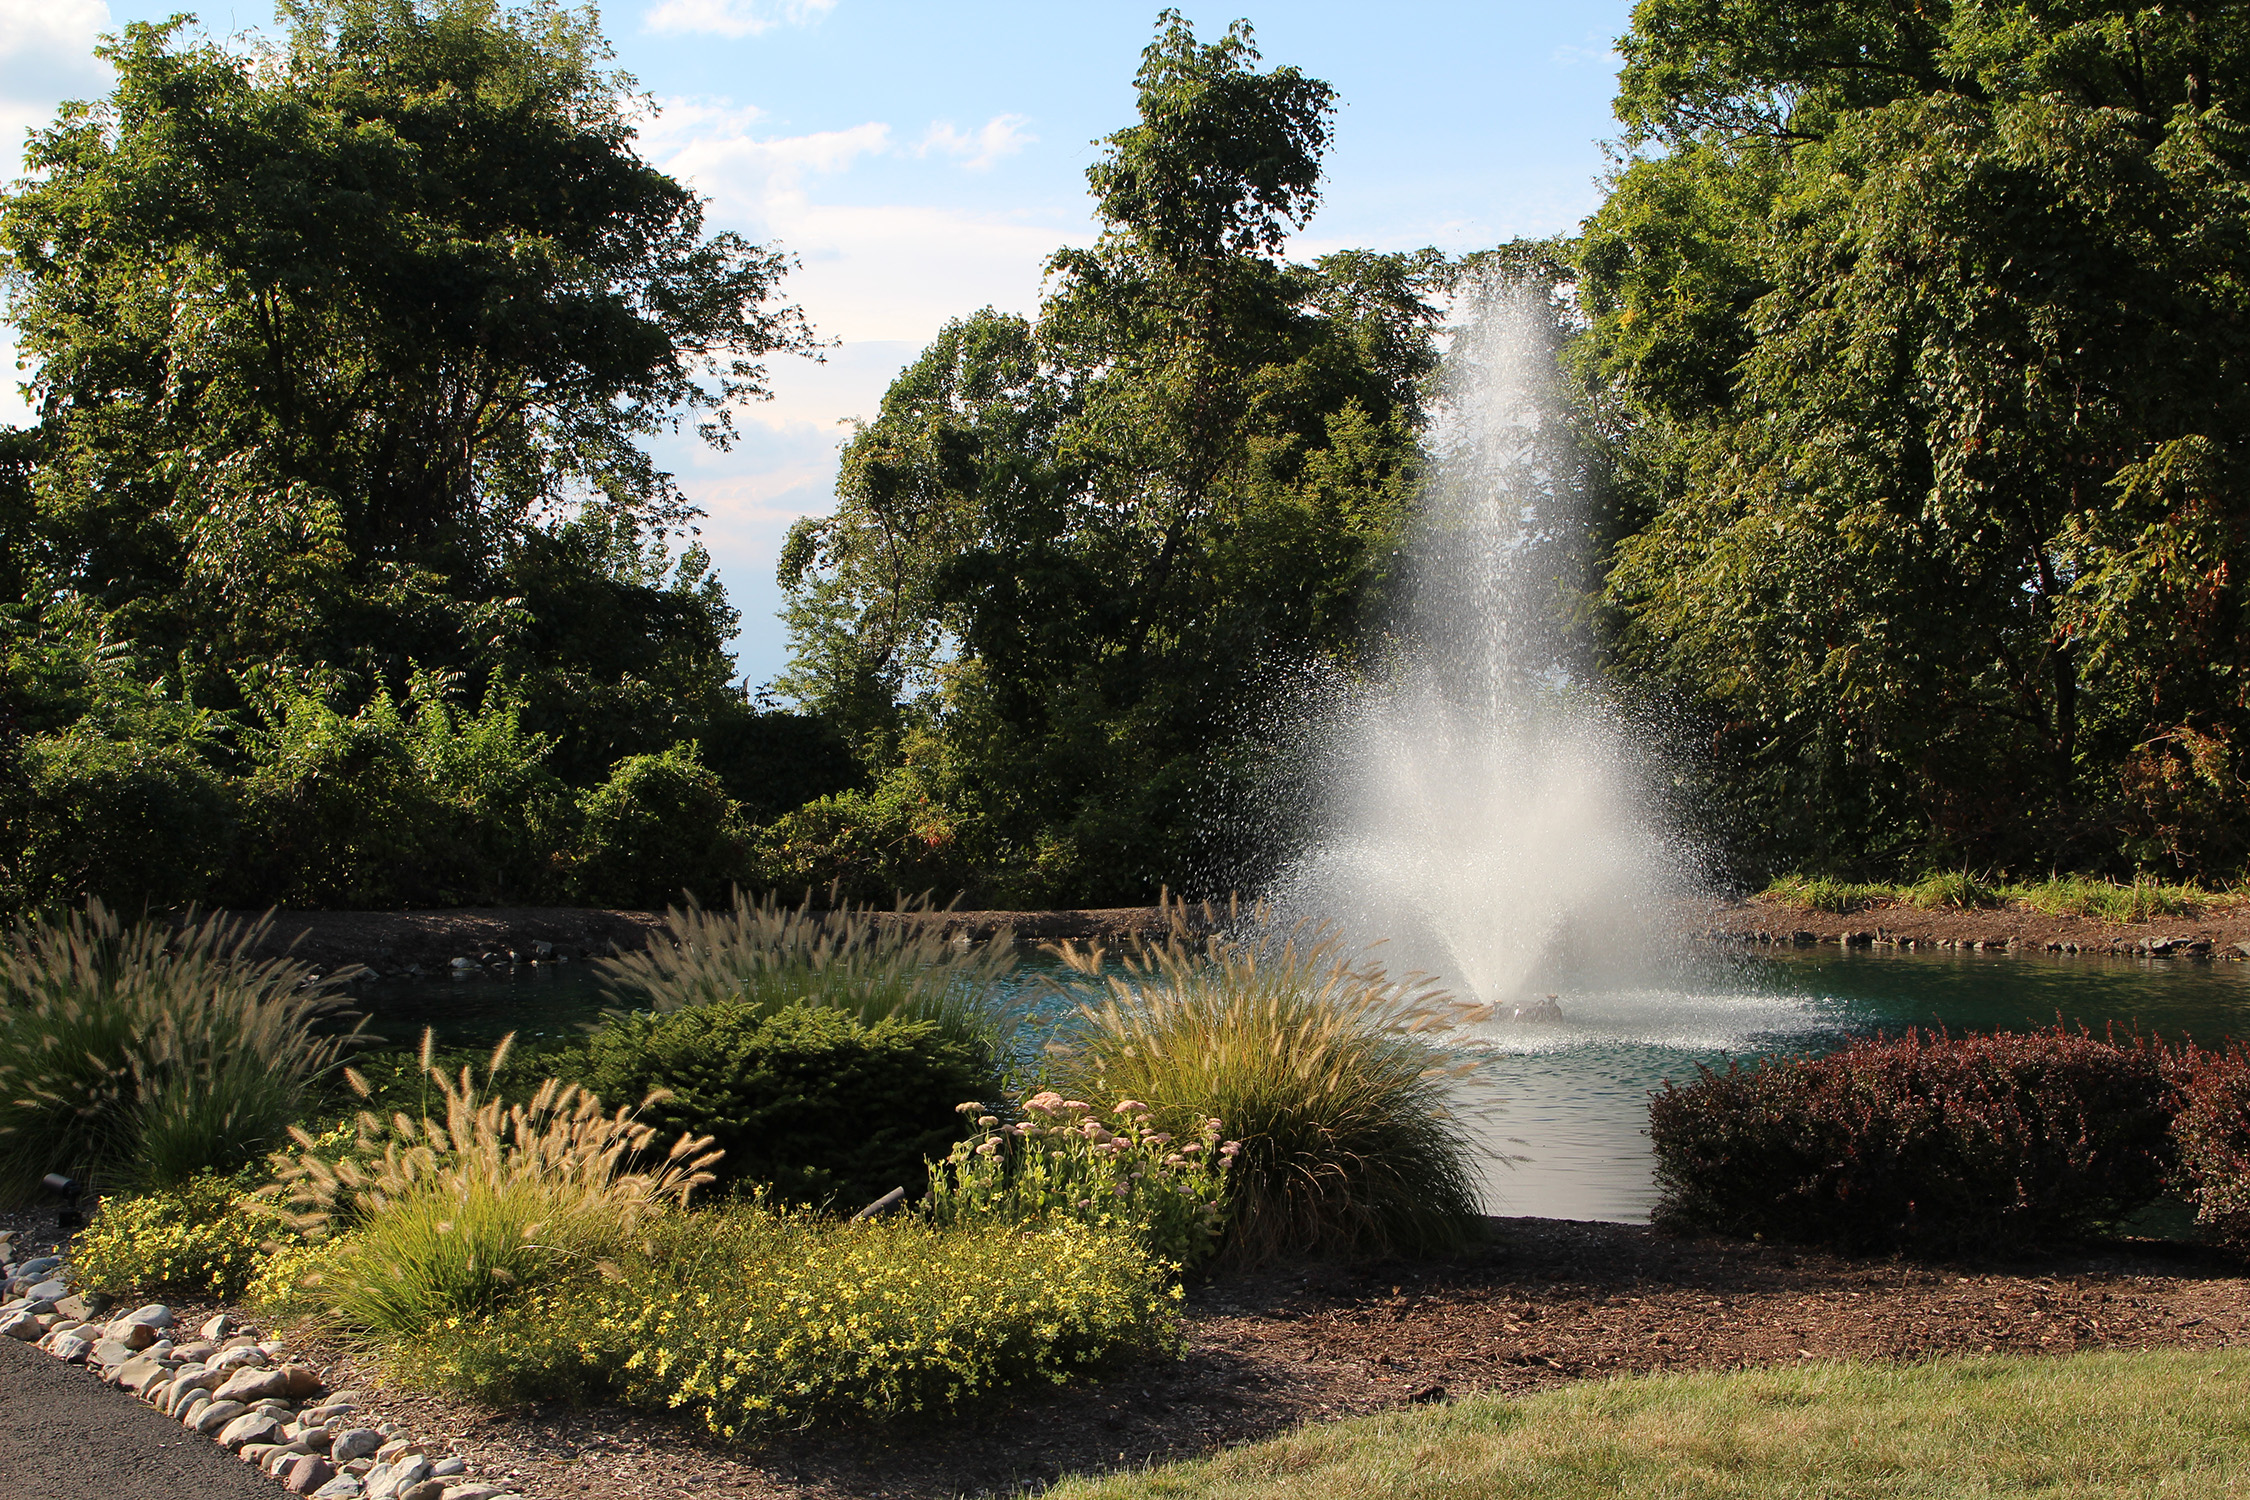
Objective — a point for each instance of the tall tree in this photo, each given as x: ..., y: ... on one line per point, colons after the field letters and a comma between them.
x: 1073, y: 559
x: 1921, y: 331
x: 324, y: 336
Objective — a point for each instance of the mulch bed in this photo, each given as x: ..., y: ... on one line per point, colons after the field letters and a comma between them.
x: 1548, y: 1303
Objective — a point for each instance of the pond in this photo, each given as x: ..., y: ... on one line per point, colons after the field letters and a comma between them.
x: 1564, y: 1108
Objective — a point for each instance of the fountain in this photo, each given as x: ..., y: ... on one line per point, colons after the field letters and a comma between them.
x: 1479, y: 807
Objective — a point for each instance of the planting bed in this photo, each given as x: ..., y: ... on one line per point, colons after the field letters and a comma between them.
x: 1548, y: 1303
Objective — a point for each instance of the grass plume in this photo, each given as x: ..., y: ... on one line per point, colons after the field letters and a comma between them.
x: 1326, y: 1069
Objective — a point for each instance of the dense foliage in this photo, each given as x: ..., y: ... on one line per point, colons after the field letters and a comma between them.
x: 1074, y: 558
x: 340, y: 573
x: 1927, y: 1140
x: 1914, y: 336
x: 205, y: 1238
x: 808, y: 1102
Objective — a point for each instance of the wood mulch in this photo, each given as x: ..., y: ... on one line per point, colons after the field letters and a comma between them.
x: 1549, y: 1302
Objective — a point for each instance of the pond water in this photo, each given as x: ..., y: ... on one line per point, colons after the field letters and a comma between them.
x: 1563, y: 1109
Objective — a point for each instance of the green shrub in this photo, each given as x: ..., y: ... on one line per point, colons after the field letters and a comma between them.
x: 135, y: 823
x: 869, y: 964
x: 398, y: 803
x: 1935, y: 1141
x: 899, y: 835
x: 142, y: 1056
x: 1321, y: 1066
x: 661, y: 824
x: 813, y: 1103
x: 1061, y: 1162
x: 204, y: 1238
x: 756, y: 1322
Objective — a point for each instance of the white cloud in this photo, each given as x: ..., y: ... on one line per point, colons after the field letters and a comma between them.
x: 735, y: 18
x: 869, y: 272
x: 1002, y: 135
x: 1595, y: 50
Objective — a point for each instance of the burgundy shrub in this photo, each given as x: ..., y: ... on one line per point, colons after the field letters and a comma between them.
x: 2211, y: 1134
x: 1925, y: 1140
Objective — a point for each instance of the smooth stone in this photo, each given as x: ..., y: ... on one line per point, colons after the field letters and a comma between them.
x: 471, y: 1492
x: 355, y: 1442
x: 23, y: 1326
x: 391, y: 1478
x: 237, y: 1358
x: 394, y: 1448
x: 301, y: 1382
x: 198, y: 1350
x: 132, y: 1335
x: 307, y: 1475
x: 257, y: 1453
x: 47, y: 1291
x: 218, y: 1327
x: 155, y: 1315
x: 316, y: 1438
x: 139, y: 1373
x: 253, y: 1385
x: 186, y: 1408
x: 71, y: 1349
x: 327, y: 1412
x: 342, y: 1487
x: 427, y: 1489
x: 447, y: 1468
x: 250, y: 1427
x: 74, y: 1307
x: 112, y: 1353
x: 216, y: 1416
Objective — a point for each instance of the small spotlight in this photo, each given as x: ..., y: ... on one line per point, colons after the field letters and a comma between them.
x: 67, y: 1215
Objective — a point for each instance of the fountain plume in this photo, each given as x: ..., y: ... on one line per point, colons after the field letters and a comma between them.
x: 1479, y: 805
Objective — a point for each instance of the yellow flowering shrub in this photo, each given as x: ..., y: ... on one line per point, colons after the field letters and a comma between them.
x: 756, y: 1321
x: 205, y: 1237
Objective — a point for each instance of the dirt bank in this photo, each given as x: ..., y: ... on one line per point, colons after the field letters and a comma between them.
x: 2220, y: 935
x: 389, y: 941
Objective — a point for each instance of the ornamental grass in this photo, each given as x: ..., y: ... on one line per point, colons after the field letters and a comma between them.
x: 873, y: 964
x: 139, y: 1056
x: 433, y: 1220
x: 1330, y: 1073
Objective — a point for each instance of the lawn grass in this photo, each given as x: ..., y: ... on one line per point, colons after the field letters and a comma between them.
x: 2061, y: 895
x: 2100, y: 1424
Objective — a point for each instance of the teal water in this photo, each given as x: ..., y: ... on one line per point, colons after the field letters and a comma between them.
x: 1562, y: 1108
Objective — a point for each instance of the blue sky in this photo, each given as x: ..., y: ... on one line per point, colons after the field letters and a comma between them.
x: 921, y: 159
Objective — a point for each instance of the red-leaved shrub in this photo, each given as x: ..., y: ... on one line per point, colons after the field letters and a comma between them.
x: 2211, y: 1133
x: 1927, y: 1140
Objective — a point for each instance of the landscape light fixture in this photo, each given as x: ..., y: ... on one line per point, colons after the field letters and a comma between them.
x: 67, y: 1189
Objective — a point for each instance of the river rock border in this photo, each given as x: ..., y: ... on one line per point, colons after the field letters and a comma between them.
x: 221, y: 1380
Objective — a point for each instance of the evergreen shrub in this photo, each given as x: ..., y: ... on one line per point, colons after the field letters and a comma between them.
x: 1926, y: 1140
x: 811, y: 1103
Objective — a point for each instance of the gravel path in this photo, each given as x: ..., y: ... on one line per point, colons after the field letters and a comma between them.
x: 67, y: 1436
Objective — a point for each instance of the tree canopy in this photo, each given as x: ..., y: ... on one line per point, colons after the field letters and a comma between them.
x: 1918, y: 334
x: 1074, y: 557
x: 344, y: 353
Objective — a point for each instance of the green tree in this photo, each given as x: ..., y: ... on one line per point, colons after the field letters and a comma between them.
x: 325, y: 337
x: 1917, y: 333
x: 1074, y: 559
